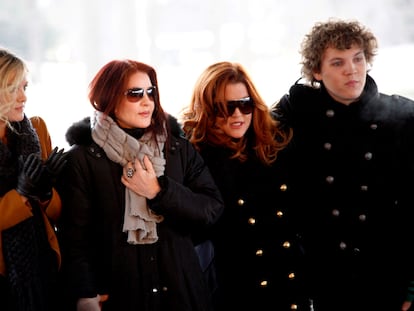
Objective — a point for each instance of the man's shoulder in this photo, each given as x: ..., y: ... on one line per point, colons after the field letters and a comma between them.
x: 400, y: 103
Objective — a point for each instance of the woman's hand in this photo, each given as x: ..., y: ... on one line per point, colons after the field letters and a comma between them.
x: 141, y: 178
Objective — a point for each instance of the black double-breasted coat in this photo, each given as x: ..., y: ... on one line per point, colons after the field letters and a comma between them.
x: 258, y: 254
x: 97, y: 259
x: 353, y: 182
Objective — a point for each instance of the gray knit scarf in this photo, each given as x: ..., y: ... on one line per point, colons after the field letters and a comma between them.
x: 139, y: 222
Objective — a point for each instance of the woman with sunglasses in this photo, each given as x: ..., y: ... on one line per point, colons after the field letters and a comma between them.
x: 257, y: 252
x: 134, y: 191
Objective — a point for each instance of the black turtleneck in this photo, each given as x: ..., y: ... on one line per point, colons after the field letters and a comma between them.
x: 136, y: 132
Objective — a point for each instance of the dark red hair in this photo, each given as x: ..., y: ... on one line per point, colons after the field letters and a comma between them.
x: 106, y: 90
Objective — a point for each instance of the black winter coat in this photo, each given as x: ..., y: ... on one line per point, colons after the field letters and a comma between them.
x: 165, y: 275
x: 353, y: 181
x: 258, y: 253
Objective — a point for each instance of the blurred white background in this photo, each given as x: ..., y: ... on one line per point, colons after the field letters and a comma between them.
x: 66, y: 41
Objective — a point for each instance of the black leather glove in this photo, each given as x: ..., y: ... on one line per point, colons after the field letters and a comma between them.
x: 52, y: 167
x: 54, y: 164
x: 30, y: 174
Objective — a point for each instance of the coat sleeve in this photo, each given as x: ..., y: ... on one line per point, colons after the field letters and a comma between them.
x: 194, y: 201
x: 13, y: 210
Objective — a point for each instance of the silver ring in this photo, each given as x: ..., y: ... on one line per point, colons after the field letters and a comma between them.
x: 130, y: 172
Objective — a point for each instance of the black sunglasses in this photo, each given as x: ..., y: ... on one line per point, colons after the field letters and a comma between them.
x: 245, y: 106
x: 136, y: 93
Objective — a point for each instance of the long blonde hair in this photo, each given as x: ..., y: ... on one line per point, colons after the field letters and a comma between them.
x: 13, y: 71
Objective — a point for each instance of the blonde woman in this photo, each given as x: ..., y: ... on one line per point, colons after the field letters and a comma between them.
x: 29, y: 205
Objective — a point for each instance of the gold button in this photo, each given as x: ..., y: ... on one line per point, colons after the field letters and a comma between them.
x: 368, y: 156
x: 327, y: 146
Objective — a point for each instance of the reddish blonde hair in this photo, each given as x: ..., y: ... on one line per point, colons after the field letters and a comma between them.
x: 199, y: 118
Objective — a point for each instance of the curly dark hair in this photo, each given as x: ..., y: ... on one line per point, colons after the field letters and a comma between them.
x: 338, y: 34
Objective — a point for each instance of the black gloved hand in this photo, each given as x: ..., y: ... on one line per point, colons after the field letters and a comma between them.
x: 30, y: 174
x: 52, y: 167
x: 54, y: 164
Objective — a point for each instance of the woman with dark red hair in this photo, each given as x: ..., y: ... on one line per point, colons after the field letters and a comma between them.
x: 134, y: 193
